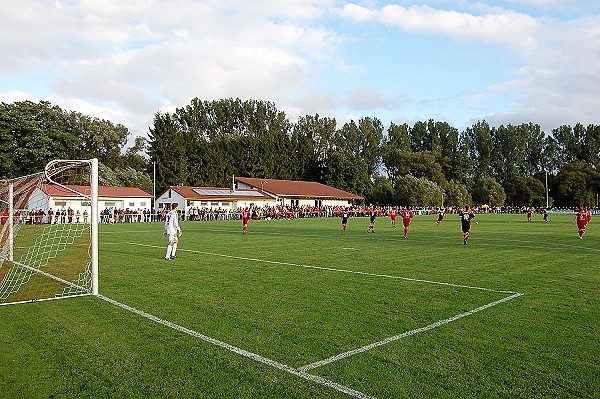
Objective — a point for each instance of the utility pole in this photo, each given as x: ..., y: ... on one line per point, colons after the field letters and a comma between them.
x: 546, y: 189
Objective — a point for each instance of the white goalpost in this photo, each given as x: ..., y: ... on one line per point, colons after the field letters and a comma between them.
x: 49, y: 233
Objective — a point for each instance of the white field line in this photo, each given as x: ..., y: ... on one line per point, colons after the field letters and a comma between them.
x: 242, y: 352
x: 403, y: 335
x: 302, y: 371
x: 331, y: 269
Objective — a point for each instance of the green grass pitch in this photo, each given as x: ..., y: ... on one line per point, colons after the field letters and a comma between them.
x: 301, y: 309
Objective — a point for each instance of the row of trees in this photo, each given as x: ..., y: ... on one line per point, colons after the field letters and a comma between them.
x: 31, y: 134
x: 431, y: 162
x: 206, y: 142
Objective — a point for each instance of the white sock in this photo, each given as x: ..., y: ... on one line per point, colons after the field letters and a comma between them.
x: 174, y: 249
x: 169, y: 251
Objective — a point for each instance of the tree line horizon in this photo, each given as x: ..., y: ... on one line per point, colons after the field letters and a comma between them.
x: 204, y: 143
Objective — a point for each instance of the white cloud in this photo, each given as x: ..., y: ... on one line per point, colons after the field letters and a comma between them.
x: 500, y: 26
x: 127, y: 60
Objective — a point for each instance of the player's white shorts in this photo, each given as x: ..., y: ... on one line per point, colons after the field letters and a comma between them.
x: 172, y: 236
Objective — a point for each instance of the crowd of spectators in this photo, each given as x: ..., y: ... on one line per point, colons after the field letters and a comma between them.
x: 194, y: 214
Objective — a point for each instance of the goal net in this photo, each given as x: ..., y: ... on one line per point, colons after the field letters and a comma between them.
x: 49, y: 233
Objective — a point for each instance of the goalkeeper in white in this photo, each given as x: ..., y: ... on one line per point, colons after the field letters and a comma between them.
x: 172, y: 230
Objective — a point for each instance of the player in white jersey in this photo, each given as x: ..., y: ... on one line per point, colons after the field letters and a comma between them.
x: 172, y: 230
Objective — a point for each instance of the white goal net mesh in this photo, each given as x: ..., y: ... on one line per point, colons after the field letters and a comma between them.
x: 45, y: 235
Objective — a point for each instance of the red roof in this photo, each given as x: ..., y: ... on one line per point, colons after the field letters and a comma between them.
x: 296, y: 188
x: 103, y: 191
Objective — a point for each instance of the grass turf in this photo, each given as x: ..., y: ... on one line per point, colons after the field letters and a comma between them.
x: 297, y: 292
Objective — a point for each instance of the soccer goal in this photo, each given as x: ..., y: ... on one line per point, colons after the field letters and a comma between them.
x: 49, y: 233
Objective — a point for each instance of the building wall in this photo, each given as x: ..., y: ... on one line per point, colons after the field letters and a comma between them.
x: 40, y: 200
x: 315, y: 202
x: 167, y: 198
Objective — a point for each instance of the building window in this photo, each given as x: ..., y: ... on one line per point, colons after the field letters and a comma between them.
x: 86, y: 204
x: 132, y: 204
x: 110, y: 204
x: 60, y: 203
x: 143, y: 204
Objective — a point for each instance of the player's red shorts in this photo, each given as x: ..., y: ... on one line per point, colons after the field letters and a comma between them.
x: 406, y: 222
x: 581, y: 225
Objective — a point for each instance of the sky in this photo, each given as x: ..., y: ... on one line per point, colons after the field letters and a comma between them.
x: 511, y: 61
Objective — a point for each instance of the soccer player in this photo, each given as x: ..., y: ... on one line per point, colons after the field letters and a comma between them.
x: 172, y: 230
x: 466, y: 216
x: 407, y: 215
x: 441, y: 213
x: 545, y: 215
x: 393, y: 216
x: 529, y: 214
x: 372, y: 217
x: 245, y: 218
x: 344, y: 215
x: 582, y: 217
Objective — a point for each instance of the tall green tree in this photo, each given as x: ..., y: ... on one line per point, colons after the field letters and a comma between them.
x: 488, y: 191
x: 577, y: 184
x: 32, y: 134
x: 509, y: 151
x: 525, y: 191
x: 167, y: 148
x: 396, y: 142
x: 480, y: 147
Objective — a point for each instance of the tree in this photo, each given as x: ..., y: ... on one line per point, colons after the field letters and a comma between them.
x: 533, y: 157
x: 344, y: 171
x: 97, y: 138
x: 509, y: 150
x: 311, y: 141
x: 488, y: 191
x: 32, y: 134
x: 577, y: 184
x: 167, y: 148
x: 383, y: 191
x: 480, y: 147
x: 456, y: 194
x: 411, y: 191
x: 525, y: 191
x: 396, y: 142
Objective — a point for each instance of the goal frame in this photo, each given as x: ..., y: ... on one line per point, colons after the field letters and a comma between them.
x: 94, y: 217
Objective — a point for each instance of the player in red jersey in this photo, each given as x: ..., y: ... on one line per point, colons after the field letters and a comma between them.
x: 407, y: 215
x: 529, y: 214
x: 582, y: 217
x: 393, y: 213
x: 245, y: 218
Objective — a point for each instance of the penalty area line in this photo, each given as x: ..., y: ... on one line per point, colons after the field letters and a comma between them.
x: 386, y: 341
x: 257, y: 358
x: 331, y: 269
